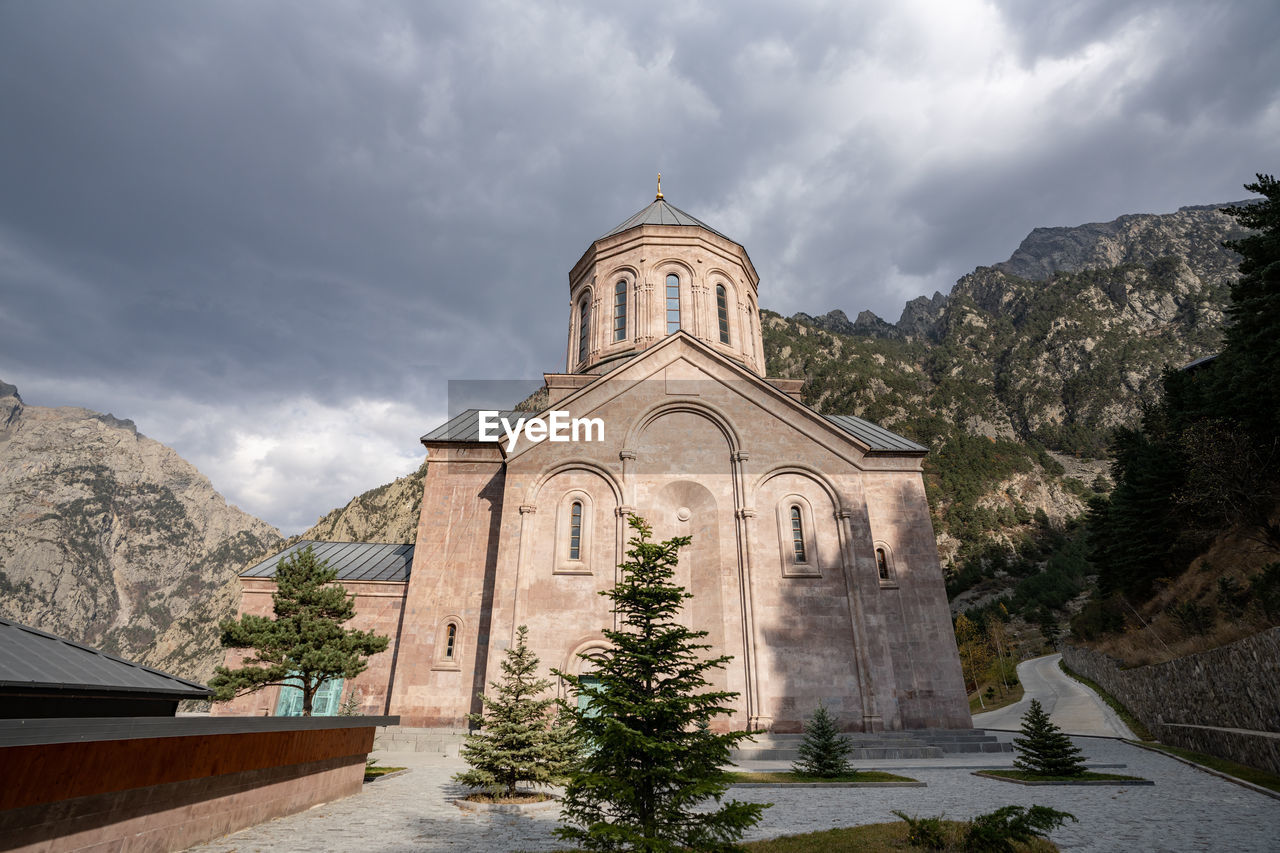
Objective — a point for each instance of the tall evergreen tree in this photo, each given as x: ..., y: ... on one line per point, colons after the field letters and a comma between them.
x: 305, y: 644
x: 823, y: 751
x: 519, y: 738
x: 652, y: 760
x: 1044, y: 749
x: 1252, y: 354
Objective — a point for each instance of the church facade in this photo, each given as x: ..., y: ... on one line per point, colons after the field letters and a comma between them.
x: 812, y: 564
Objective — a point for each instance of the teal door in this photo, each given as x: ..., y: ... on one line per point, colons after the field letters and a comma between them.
x: 584, y: 701
x: 325, y: 703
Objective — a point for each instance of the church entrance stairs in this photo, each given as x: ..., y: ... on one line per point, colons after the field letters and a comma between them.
x: 925, y: 743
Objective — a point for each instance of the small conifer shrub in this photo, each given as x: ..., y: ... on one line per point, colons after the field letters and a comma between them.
x: 997, y: 831
x: 519, y: 738
x: 824, y: 751
x: 1044, y: 749
x: 654, y: 773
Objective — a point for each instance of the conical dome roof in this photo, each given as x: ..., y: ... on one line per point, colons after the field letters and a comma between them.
x: 662, y: 213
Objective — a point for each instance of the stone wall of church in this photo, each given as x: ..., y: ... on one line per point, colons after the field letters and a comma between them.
x: 913, y: 604
x: 444, y: 638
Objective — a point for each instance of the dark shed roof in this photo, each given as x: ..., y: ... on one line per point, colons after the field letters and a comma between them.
x: 466, y: 426
x: 31, y: 659
x: 875, y: 437
x: 354, y: 561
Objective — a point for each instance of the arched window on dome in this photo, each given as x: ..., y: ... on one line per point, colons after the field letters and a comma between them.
x: 673, y: 304
x: 584, y: 318
x: 722, y: 312
x: 620, y: 311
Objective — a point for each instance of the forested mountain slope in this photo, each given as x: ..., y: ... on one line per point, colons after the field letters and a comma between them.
x: 1017, y: 378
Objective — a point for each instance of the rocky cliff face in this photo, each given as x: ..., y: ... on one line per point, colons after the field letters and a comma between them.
x: 386, y: 514
x: 110, y: 538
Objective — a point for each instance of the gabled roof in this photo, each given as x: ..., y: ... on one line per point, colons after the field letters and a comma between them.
x: 33, y: 659
x: 354, y: 561
x: 875, y: 437
x: 466, y: 425
x: 662, y: 213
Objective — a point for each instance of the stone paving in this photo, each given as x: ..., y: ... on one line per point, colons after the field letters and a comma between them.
x: 1186, y: 810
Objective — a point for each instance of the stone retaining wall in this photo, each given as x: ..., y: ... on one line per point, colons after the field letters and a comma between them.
x: 1224, y: 702
x: 166, y: 783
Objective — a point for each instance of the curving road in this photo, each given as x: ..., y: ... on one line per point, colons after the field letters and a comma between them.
x: 1074, y: 707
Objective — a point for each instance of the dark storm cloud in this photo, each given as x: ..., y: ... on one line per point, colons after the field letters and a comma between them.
x: 276, y: 230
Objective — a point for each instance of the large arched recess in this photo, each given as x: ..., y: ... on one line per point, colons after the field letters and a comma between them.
x: 806, y: 648
x: 558, y: 598
x: 684, y: 486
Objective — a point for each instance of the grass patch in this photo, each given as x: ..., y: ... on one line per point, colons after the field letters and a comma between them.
x: 1013, y: 696
x: 371, y: 773
x: 783, y: 778
x: 1135, y: 725
x: 876, y: 836
x: 1087, y: 776
x: 1261, y: 778
x: 521, y: 798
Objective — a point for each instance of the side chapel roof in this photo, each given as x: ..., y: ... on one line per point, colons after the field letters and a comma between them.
x: 354, y: 561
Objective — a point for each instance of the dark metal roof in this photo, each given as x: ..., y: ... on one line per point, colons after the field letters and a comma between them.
x: 661, y: 213
x: 877, y: 438
x: 33, y: 659
x: 354, y: 561
x: 466, y: 426
x: 1199, y: 362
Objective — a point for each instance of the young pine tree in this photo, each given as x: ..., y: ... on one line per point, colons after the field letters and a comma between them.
x: 1043, y: 748
x: 824, y: 751
x: 305, y: 644
x: 652, y: 761
x: 519, y: 738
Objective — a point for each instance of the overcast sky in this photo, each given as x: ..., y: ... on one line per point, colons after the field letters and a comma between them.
x: 270, y: 232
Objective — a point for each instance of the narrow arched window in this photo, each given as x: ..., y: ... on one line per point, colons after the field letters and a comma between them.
x: 673, y: 304
x: 882, y: 564
x: 450, y: 640
x: 722, y: 311
x: 583, y: 324
x: 620, y: 311
x: 797, y: 534
x: 575, y: 531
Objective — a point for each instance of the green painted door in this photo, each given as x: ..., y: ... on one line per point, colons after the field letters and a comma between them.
x: 324, y: 704
x: 584, y: 701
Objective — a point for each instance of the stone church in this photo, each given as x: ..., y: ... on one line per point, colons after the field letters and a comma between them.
x: 813, y: 561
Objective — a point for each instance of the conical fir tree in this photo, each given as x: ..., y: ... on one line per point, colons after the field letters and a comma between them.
x: 652, y: 760
x: 1043, y: 748
x: 305, y: 644
x: 824, y: 751
x: 519, y: 738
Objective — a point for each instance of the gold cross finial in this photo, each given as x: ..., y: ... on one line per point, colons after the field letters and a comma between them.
x: 658, y: 197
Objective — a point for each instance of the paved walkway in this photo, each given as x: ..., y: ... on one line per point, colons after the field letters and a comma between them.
x: 1074, y: 707
x: 1186, y: 810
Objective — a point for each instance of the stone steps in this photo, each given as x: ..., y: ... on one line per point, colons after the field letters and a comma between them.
x: 928, y: 743
x: 406, y: 739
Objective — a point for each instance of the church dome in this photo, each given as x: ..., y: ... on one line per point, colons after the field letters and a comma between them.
x: 662, y: 271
